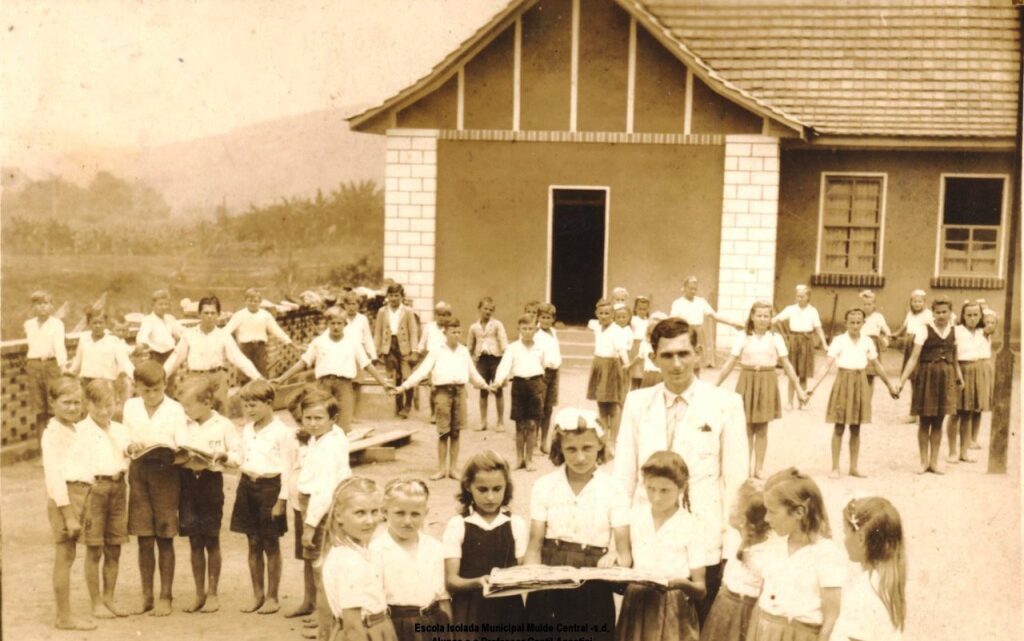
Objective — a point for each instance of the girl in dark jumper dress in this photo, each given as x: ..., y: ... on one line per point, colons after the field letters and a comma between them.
x: 936, y: 381
x: 482, y: 538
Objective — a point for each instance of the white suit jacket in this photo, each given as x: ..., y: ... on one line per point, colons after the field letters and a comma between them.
x: 712, y: 439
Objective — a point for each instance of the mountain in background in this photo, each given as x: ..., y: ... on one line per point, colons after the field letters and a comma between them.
x: 252, y: 165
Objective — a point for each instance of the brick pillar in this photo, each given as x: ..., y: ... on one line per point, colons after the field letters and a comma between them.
x: 410, y: 199
x: 750, y: 212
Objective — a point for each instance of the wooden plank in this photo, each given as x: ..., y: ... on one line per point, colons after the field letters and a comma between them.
x: 397, y: 438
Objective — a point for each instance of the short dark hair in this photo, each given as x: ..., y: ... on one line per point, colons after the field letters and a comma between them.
x: 669, y: 465
x: 854, y: 310
x: 319, y: 396
x: 208, y: 300
x: 150, y: 373
x: 451, y: 322
x: 395, y: 288
x: 670, y: 328
x: 940, y: 300
x: 258, y: 390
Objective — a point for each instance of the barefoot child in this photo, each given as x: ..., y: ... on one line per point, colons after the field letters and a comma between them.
x: 973, y: 352
x: 874, y: 604
x: 337, y: 360
x: 353, y: 584
x: 729, y: 617
x: 803, y: 323
x: 546, y: 313
x: 874, y: 328
x: 201, y: 508
x: 487, y: 343
x: 759, y: 351
x: 411, y: 563
x: 804, y: 569
x: 431, y: 338
x: 937, y: 380
x: 265, y: 460
x: 326, y: 464
x: 607, y: 374
x: 524, y: 362
x: 667, y: 541
x: 251, y: 326
x: 106, y: 520
x: 483, y: 537
x: 154, y: 482
x: 450, y: 368
x: 46, y: 356
x: 638, y: 326
x: 69, y: 477
x: 850, y: 400
x: 575, y: 512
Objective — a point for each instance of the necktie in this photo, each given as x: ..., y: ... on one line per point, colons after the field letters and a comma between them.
x: 673, y: 418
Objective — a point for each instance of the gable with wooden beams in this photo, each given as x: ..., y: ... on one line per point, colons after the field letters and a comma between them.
x: 574, y: 66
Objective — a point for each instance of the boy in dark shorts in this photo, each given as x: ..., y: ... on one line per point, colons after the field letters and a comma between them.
x: 106, y: 515
x: 487, y: 343
x: 546, y: 332
x: 202, y: 488
x: 450, y: 368
x: 523, y: 362
x: 154, y: 481
x: 266, y: 458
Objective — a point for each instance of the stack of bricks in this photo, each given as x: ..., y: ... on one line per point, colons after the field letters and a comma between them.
x: 410, y: 210
x: 750, y: 213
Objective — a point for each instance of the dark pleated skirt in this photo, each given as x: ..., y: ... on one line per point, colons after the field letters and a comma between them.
x: 801, y: 354
x: 850, y: 400
x: 607, y: 382
x: 729, y: 617
x: 591, y: 605
x: 976, y: 394
x: 651, y: 614
x: 765, y: 627
x: 760, y: 392
x: 935, y: 392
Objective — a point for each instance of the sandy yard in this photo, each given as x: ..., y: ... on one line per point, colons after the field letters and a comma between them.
x: 962, y: 529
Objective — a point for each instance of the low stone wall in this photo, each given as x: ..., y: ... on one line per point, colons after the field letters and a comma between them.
x: 17, y: 420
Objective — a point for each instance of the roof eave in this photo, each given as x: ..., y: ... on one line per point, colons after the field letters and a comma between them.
x: 906, y: 143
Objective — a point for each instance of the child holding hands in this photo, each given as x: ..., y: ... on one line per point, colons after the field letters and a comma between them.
x: 850, y: 400
x: 665, y: 540
x: 803, y: 323
x: 576, y: 511
x: 524, y: 362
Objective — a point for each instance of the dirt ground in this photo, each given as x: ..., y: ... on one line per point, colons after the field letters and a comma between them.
x: 963, y: 531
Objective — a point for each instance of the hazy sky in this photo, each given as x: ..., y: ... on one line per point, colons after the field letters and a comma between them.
x: 102, y: 73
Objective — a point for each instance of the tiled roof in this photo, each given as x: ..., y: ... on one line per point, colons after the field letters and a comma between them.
x: 923, y: 68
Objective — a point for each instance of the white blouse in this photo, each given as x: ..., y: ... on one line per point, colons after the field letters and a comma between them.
x: 972, y: 345
x: 671, y: 550
x: 351, y: 581
x: 850, y: 354
x: 801, y: 319
x: 862, y: 615
x: 743, y: 577
x: 613, y: 341
x: 793, y: 582
x: 759, y: 351
x: 410, y: 577
x: 691, y: 311
x: 586, y: 518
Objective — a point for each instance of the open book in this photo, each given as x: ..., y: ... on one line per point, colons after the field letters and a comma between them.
x: 160, y: 451
x: 195, y: 459
x: 522, y: 579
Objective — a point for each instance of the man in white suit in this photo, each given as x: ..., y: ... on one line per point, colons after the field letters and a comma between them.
x: 700, y: 422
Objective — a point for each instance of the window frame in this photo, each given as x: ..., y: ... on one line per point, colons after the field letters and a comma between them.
x: 883, y: 206
x: 1001, y: 229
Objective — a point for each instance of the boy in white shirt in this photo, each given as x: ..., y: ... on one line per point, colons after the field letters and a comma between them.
x: 159, y: 330
x: 106, y: 514
x: 251, y: 326
x: 357, y: 327
x: 207, y: 350
x: 523, y: 362
x: 487, y: 343
x: 266, y: 454
x: 68, y: 477
x: 202, y: 488
x: 337, y: 361
x: 100, y: 355
x: 154, y: 481
x: 431, y: 338
x: 450, y: 367
x: 46, y: 357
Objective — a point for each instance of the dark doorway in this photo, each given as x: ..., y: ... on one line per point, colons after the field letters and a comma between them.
x: 577, y: 252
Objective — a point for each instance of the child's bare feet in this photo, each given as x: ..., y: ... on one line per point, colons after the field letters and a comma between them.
x: 858, y: 474
x: 113, y: 607
x: 147, y: 605
x: 834, y: 474
x: 952, y: 459
x: 101, y: 611
x: 302, y: 610
x: 924, y: 469
x: 500, y: 427
x: 162, y: 609
x: 530, y: 467
x: 519, y: 465
x: 74, y: 623
x: 453, y: 475
x: 438, y: 476
x: 482, y: 428
x: 269, y: 606
x: 974, y: 445
x: 197, y: 605
x: 967, y: 459
x: 758, y: 474
x: 934, y: 469
x: 255, y: 604
x: 212, y: 604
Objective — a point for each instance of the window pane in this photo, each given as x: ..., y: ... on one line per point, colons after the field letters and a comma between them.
x: 957, y: 234
x: 973, y: 201
x: 986, y: 234
x: 852, y: 218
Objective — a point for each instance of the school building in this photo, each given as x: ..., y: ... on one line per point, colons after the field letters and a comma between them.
x: 571, y: 146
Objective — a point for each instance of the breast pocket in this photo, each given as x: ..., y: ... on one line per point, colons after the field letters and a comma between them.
x: 703, y: 449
